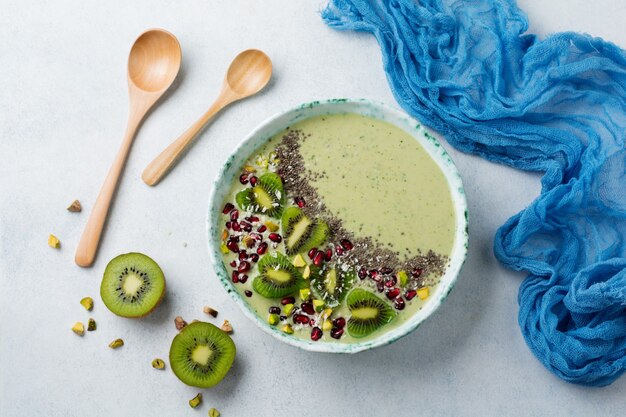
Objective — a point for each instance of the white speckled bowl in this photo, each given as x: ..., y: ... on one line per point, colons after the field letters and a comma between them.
x: 277, y: 123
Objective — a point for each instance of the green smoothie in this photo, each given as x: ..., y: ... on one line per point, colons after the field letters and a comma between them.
x: 362, y: 220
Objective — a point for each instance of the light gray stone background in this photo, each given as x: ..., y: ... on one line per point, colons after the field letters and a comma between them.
x: 63, y: 109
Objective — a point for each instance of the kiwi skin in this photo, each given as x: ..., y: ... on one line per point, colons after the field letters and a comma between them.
x: 155, y: 304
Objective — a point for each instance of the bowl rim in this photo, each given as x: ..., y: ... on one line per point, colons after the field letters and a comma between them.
x: 380, y: 111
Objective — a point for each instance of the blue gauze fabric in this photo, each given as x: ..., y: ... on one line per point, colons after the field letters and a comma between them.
x: 557, y: 105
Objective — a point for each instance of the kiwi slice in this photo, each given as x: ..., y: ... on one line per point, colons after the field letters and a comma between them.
x: 132, y: 285
x: 265, y: 197
x: 201, y: 354
x: 301, y: 233
x: 367, y: 313
x: 331, y: 284
x: 277, y: 277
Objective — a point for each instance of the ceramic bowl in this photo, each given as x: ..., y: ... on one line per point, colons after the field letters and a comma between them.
x: 277, y: 123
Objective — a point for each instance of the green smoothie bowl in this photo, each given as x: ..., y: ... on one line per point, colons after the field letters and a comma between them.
x: 338, y: 226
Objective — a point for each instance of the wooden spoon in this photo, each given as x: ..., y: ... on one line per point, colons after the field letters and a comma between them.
x: 249, y: 72
x: 153, y: 64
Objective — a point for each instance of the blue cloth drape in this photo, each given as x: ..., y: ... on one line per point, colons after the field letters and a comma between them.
x: 555, y: 105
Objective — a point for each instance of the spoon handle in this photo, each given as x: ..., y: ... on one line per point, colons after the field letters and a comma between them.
x: 88, y: 245
x: 160, y: 166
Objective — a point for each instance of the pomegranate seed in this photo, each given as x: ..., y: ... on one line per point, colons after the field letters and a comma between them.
x: 398, y: 303
x: 316, y: 334
x: 312, y: 253
x: 329, y: 255
x: 244, y: 266
x: 274, y: 310
x: 409, y: 295
x: 417, y: 272
x: 287, y: 300
x: 254, y: 257
x: 235, y: 277
x: 243, y: 278
x: 391, y: 294
x: 248, y: 293
x: 256, y: 236
x: 247, y: 227
x: 336, y: 333
x: 300, y: 319
x: 253, y: 180
x: 319, y: 258
x: 243, y: 178
x: 390, y: 282
x: 229, y: 225
x: 339, y: 250
x: 234, y: 215
x: 375, y: 275
x: 362, y: 273
x: 236, y: 226
x: 308, y: 308
x: 380, y: 286
x: 386, y: 271
x: 262, y: 248
x: 283, y: 318
x: 233, y: 263
x: 339, y: 322
x: 299, y: 201
x: 252, y: 219
x: 262, y: 228
x: 228, y: 208
x: 275, y: 237
x: 346, y: 244
x: 243, y: 255
x: 233, y: 246
x: 234, y: 238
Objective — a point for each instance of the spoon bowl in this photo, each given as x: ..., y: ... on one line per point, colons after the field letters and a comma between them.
x: 154, y: 61
x: 249, y: 72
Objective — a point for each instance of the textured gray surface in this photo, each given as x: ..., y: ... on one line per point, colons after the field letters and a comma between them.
x: 63, y: 108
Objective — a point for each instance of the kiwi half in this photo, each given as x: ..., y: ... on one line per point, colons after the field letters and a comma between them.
x: 201, y: 354
x: 367, y: 312
x: 265, y: 197
x: 301, y: 233
x: 132, y: 285
x: 277, y: 277
x: 331, y: 284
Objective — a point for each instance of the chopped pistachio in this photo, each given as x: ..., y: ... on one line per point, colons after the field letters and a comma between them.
x: 318, y: 305
x: 273, y: 319
x: 262, y: 161
x: 179, y: 323
x: 287, y: 329
x: 195, y: 401
x: 327, y: 325
x: 75, y: 207
x: 226, y: 327
x: 210, y: 311
x: 54, y: 242
x: 249, y: 169
x: 78, y: 328
x: 116, y: 343
x: 158, y: 363
x: 91, y: 325
x: 305, y: 293
x: 214, y: 413
x: 307, y: 272
x: 87, y: 302
x: 423, y: 293
x: 288, y: 309
x: 273, y: 227
x: 224, y: 248
x: 299, y: 261
x: 403, y: 278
